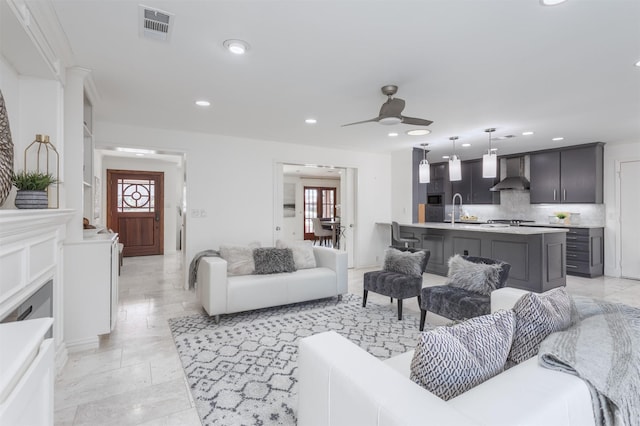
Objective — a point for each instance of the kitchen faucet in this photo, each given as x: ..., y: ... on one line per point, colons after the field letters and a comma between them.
x: 453, y: 207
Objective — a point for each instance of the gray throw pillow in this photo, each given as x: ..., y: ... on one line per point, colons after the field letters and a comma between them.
x: 403, y: 262
x: 271, y: 260
x: 476, y: 277
x: 537, y: 316
x: 449, y: 361
x: 303, y: 255
x: 239, y: 259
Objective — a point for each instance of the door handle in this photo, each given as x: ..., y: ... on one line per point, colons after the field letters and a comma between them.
x: 554, y: 195
x: 564, y: 194
x: 157, y: 216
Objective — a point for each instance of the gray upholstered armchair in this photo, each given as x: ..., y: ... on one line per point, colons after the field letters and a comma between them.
x: 395, y: 284
x: 458, y: 303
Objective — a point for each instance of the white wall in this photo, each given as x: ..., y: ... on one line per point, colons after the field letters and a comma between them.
x: 34, y: 106
x: 402, y: 186
x: 172, y: 190
x: 231, y: 180
x: 614, y: 153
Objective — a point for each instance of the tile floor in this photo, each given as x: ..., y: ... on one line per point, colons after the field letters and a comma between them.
x: 135, y: 376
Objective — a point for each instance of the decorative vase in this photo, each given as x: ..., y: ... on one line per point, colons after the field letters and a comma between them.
x: 27, y: 199
x: 6, y: 153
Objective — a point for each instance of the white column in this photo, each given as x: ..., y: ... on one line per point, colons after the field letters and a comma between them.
x: 74, y: 148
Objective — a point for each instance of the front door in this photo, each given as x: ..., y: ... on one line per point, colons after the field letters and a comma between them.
x: 135, y: 206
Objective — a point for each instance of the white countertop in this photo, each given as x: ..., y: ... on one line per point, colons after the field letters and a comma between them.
x: 561, y: 225
x: 488, y: 227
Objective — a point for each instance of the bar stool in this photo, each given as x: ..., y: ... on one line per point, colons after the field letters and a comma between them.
x: 397, y: 240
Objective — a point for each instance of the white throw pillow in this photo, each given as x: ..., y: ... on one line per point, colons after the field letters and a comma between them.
x: 449, y: 361
x: 303, y: 255
x: 239, y: 259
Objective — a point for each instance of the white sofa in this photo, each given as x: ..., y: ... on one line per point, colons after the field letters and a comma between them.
x: 222, y: 294
x: 341, y: 384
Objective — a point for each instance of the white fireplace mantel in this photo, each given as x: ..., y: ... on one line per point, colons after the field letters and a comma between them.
x: 30, y: 255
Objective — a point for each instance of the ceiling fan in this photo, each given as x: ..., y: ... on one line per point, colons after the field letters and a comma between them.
x: 391, y: 111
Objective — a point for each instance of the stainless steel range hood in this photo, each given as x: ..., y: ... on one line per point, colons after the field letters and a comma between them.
x: 515, y: 176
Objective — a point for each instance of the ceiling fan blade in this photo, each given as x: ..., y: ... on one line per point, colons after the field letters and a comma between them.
x: 416, y: 121
x: 360, y: 122
x: 392, y: 108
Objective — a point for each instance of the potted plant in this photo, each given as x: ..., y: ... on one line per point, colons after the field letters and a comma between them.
x: 563, y: 217
x: 32, y: 189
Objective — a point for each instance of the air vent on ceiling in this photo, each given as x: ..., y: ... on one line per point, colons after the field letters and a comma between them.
x: 155, y: 23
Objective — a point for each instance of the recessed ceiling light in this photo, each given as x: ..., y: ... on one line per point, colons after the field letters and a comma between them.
x: 551, y: 2
x: 557, y: 139
x: 393, y: 134
x: 418, y: 132
x: 445, y: 156
x: 494, y: 149
x: 311, y: 121
x: 237, y: 47
x: 466, y: 145
x: 140, y: 155
x: 203, y: 103
x: 637, y: 64
x: 527, y: 133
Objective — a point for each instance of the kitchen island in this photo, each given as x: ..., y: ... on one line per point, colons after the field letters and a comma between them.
x: 536, y: 254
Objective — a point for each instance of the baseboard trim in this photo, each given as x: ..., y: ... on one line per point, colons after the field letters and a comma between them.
x: 83, y: 344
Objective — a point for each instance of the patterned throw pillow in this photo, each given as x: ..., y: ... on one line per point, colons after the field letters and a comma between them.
x: 239, y: 259
x: 476, y: 277
x: 449, y: 361
x: 537, y: 316
x: 403, y: 262
x: 270, y: 260
x: 303, y: 255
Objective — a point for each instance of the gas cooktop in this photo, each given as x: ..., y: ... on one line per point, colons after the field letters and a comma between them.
x: 511, y: 222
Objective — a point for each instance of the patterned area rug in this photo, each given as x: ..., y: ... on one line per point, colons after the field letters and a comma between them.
x: 243, y: 371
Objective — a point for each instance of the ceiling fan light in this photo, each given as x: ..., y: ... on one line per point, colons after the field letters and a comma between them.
x: 388, y: 121
x: 418, y: 132
x: 455, y: 168
x: 489, y: 165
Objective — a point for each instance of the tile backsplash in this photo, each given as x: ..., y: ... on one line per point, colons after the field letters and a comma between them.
x: 516, y: 205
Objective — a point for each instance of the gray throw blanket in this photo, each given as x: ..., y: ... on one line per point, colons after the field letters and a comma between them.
x: 602, y: 347
x: 195, y: 262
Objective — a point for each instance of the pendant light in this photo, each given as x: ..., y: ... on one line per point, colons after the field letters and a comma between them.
x: 425, y: 169
x: 490, y: 160
x: 455, y: 168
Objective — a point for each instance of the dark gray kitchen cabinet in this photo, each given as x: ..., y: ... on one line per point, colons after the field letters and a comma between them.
x: 572, y: 175
x: 480, y: 187
x: 439, y: 178
x: 585, y: 252
x: 463, y: 187
x: 473, y: 188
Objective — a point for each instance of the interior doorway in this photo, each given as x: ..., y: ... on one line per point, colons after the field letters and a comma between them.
x: 629, y: 225
x: 291, y: 215
x: 135, y: 207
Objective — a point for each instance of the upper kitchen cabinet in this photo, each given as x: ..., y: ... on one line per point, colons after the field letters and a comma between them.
x: 473, y: 188
x: 571, y: 175
x: 439, y: 179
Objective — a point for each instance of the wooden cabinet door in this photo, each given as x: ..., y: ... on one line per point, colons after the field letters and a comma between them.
x: 545, y: 177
